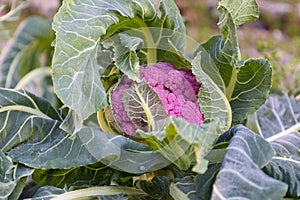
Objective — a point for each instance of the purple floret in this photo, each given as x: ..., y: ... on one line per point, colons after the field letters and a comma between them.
x: 177, y: 89
x: 124, y: 122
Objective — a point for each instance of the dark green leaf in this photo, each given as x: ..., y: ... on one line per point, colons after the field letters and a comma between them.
x: 246, y: 84
x: 213, y: 102
x: 23, y: 116
x: 96, y: 174
x: 240, y: 175
x: 278, y: 121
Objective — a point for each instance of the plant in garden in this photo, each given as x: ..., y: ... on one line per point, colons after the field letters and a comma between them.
x: 141, y: 117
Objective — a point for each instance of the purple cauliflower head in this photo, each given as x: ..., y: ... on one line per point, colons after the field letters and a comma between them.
x: 177, y: 89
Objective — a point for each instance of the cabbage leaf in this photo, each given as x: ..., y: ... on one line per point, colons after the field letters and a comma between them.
x: 79, y: 30
x: 278, y: 121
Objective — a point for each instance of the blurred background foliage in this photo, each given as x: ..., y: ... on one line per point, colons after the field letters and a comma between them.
x: 276, y: 35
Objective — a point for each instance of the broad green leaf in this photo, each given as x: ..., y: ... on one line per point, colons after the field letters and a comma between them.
x: 182, y: 142
x: 246, y: 84
x: 23, y: 115
x: 241, y: 176
x: 78, y: 35
x: 77, y: 177
x: 278, y: 121
x: 31, y: 135
x: 211, y: 98
x: 23, y: 54
x: 251, y: 88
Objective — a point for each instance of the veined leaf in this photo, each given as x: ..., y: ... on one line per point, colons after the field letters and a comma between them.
x: 77, y: 177
x: 241, y: 176
x: 24, y: 51
x: 144, y: 107
x: 278, y: 121
x: 212, y: 101
x: 18, y: 110
x: 79, y: 29
x: 246, y: 84
x: 231, y: 15
x: 125, y: 55
x: 181, y: 142
x: 240, y: 11
x: 31, y: 135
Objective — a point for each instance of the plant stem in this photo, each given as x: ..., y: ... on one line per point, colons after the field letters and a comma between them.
x: 296, y: 127
x: 94, y: 191
x: 149, y: 42
x: 21, y: 108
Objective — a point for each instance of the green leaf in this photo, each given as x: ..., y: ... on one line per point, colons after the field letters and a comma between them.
x: 278, y: 121
x: 33, y: 38
x: 241, y: 11
x: 240, y: 175
x: 77, y: 177
x: 246, y: 84
x: 251, y: 89
x: 212, y: 101
x: 182, y: 142
x: 31, y: 135
x: 75, y: 70
x: 231, y: 15
x: 22, y: 116
x: 125, y: 56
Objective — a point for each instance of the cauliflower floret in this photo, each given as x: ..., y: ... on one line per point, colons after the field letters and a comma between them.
x: 124, y: 122
x: 177, y: 89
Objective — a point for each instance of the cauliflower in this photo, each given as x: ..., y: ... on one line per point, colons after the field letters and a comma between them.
x: 177, y: 90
